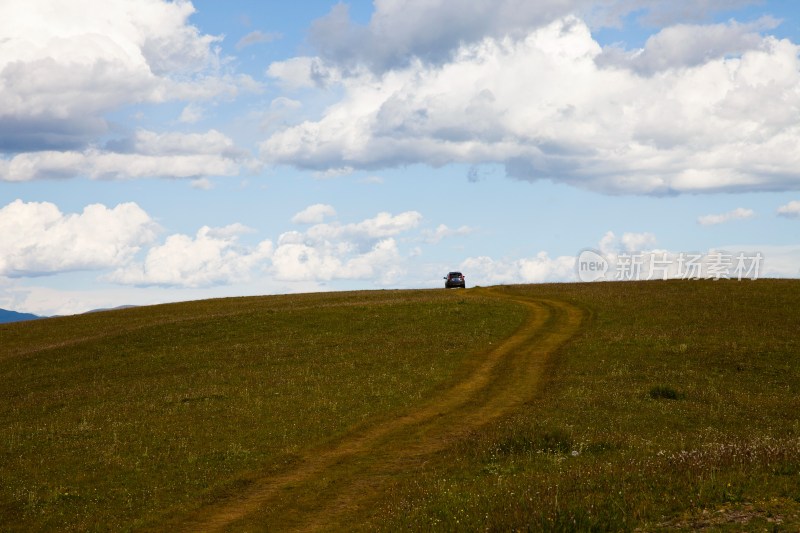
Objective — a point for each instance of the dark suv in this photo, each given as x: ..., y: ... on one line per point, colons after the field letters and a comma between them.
x: 454, y: 279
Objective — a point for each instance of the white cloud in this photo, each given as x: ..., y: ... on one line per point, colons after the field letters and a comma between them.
x: 203, y: 184
x: 329, y: 251
x: 662, y: 12
x: 333, y: 172
x: 790, y: 210
x: 442, y: 231
x: 63, y: 65
x: 325, y: 261
x: 147, y: 154
x: 49, y: 301
x: 737, y: 214
x: 778, y: 262
x: 636, y: 242
x: 541, y: 268
x: 629, y: 242
x: 372, y: 180
x: 414, y: 28
x: 303, y: 72
x: 282, y: 102
x: 543, y: 107
x: 38, y: 239
x: 212, y: 257
x: 282, y: 112
x: 257, y: 37
x: 191, y: 113
x: 608, y: 243
x: 45, y: 301
x: 173, y: 143
x: 627, y: 259
x: 689, y: 45
x: 360, y: 250
x: 380, y: 226
x: 314, y: 214
x: 401, y: 31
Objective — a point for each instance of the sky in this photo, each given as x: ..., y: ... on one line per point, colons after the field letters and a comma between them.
x: 155, y: 151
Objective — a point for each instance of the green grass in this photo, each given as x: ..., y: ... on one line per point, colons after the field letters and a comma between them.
x: 678, y: 406
x: 664, y: 392
x: 116, y: 420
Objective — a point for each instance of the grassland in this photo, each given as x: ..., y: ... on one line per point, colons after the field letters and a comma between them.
x: 600, y: 449
x: 611, y: 406
x: 117, y: 420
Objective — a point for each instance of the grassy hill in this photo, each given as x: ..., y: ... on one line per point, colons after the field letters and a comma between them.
x: 654, y: 405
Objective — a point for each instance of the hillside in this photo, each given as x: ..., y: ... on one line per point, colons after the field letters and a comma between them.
x: 656, y: 405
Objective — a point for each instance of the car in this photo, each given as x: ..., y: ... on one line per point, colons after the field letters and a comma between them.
x: 455, y: 279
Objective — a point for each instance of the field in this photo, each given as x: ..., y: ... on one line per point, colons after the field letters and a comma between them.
x: 611, y: 406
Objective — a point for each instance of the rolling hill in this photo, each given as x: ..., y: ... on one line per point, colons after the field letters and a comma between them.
x: 612, y: 406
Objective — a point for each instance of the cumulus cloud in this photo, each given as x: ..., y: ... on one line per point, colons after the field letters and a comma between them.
x: 543, y: 107
x: 212, y: 257
x: 401, y: 31
x: 333, y: 172
x: 203, y: 184
x: 257, y: 37
x: 790, y: 210
x: 638, y: 241
x: 442, y: 231
x: 372, y: 180
x: 64, y: 65
x: 304, y: 72
x: 378, y: 227
x: 629, y: 242
x: 145, y: 154
x: 358, y: 250
x: 314, y: 214
x: 325, y: 261
x: 215, y: 256
x: 542, y: 268
x: 661, y: 12
x: 282, y: 111
x: 779, y: 261
x: 626, y: 258
x: 737, y: 214
x: 191, y: 113
x: 38, y: 239
x: 689, y: 45
x: 429, y: 30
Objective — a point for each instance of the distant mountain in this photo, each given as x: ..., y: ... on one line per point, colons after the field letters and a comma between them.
x: 13, y: 316
x: 112, y: 308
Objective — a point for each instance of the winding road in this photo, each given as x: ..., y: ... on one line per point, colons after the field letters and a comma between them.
x: 322, y: 491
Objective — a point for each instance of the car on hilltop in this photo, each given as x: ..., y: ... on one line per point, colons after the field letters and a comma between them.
x: 455, y: 279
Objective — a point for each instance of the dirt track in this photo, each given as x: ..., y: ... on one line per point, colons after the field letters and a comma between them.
x: 323, y: 490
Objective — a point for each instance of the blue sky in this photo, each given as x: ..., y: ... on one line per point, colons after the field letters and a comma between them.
x: 156, y: 151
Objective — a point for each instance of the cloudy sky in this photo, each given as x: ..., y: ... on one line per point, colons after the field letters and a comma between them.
x: 155, y: 151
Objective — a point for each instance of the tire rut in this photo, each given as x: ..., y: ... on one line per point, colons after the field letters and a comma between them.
x: 324, y: 489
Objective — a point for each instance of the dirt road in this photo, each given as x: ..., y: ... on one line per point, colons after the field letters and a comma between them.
x: 325, y: 490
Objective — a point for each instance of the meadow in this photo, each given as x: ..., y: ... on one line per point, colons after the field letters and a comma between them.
x: 111, y: 421
x: 610, y: 406
x: 676, y: 407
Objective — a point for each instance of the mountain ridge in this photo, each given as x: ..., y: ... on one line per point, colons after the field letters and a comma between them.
x: 6, y: 316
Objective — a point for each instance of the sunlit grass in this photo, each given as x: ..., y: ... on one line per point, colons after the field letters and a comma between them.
x: 112, y: 420
x: 677, y: 407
